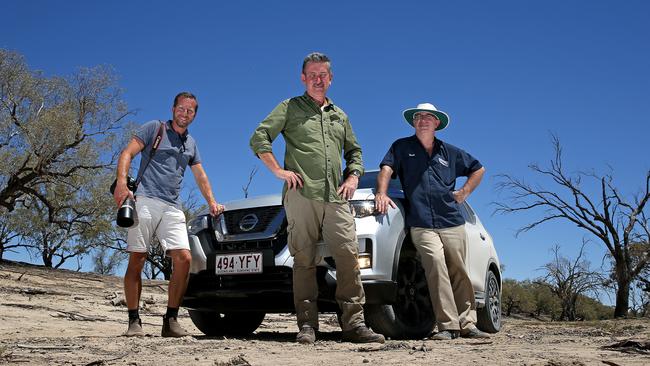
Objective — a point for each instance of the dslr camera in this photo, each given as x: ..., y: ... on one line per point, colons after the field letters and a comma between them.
x: 126, y: 212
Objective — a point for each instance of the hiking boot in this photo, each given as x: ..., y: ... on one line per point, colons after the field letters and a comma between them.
x: 135, y: 328
x: 362, y: 334
x: 474, y: 333
x: 307, y: 335
x: 171, y: 328
x: 445, y: 335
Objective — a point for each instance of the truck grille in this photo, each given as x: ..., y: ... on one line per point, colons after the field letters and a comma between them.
x: 250, y: 220
x: 277, y: 244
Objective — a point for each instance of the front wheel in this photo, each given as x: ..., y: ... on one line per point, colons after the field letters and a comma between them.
x: 489, y: 317
x: 411, y: 316
x: 217, y: 324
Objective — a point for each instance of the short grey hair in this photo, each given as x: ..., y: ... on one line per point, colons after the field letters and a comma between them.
x: 317, y: 57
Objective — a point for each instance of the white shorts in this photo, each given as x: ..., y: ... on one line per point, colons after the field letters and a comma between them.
x: 159, y: 217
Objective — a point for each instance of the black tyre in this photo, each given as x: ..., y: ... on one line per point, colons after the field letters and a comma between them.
x: 489, y: 317
x: 218, y: 324
x: 411, y: 317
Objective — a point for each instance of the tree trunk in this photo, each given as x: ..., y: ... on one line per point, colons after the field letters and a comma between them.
x: 623, y: 282
x: 622, y: 298
x: 47, y: 260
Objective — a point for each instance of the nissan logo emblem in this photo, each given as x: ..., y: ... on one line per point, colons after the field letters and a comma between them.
x: 248, y: 222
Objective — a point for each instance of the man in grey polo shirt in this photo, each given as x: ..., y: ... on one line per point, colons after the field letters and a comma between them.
x: 158, y: 207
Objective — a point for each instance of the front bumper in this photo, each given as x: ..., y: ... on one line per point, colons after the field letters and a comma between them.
x: 272, y: 292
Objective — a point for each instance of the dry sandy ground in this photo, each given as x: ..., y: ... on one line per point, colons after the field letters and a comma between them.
x: 57, y: 317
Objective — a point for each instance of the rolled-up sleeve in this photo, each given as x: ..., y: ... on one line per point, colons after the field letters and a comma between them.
x: 352, y: 151
x: 269, y: 129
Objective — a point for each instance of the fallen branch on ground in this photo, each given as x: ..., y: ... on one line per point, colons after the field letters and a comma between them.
x: 28, y: 346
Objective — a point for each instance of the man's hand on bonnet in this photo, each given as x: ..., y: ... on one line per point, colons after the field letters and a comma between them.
x: 216, y: 209
x: 382, y: 201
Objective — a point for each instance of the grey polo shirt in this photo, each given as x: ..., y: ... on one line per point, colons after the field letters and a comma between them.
x: 428, y: 181
x: 163, y: 178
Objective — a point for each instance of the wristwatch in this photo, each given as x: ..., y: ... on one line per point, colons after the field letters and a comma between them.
x: 355, y: 172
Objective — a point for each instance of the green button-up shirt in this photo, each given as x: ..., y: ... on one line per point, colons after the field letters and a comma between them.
x: 314, y: 140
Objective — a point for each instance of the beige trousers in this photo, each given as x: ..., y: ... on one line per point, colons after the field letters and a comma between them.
x: 307, y: 221
x: 443, y: 253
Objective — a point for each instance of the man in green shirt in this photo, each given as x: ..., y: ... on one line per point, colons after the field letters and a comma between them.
x: 316, y: 132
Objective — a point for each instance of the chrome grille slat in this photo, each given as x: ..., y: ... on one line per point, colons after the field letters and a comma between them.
x: 264, y: 214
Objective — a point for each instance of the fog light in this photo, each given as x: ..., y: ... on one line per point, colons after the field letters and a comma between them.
x: 365, y: 261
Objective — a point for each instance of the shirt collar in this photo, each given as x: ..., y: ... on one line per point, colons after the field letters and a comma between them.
x: 183, y: 135
x: 437, y: 143
x: 329, y: 104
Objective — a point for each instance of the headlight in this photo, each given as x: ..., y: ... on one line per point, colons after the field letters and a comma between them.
x: 197, y: 224
x: 363, y: 208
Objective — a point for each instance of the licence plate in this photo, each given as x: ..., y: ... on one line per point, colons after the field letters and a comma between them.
x: 239, y: 263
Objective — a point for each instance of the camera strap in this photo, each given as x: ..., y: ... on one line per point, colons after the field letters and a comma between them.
x: 154, y: 147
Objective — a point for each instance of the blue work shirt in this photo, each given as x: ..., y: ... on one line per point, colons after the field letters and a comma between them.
x: 428, y: 181
x: 163, y: 177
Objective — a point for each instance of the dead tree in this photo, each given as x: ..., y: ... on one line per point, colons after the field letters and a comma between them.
x: 616, y: 222
x: 568, y: 279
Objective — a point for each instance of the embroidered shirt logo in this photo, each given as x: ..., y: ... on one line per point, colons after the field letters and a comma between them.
x: 411, y: 155
x: 443, y: 162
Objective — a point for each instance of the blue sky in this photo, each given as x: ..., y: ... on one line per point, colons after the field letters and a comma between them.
x: 509, y: 73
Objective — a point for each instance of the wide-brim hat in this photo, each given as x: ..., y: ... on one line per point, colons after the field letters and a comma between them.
x: 429, y: 108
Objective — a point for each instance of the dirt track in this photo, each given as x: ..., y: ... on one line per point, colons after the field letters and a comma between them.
x: 55, y: 317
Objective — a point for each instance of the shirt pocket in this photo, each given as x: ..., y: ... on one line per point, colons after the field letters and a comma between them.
x: 444, y: 174
x: 337, y: 130
x: 443, y: 169
x: 305, y: 127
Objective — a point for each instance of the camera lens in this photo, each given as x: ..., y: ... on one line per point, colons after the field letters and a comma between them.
x: 125, y: 213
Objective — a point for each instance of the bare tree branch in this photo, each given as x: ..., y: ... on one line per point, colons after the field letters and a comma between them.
x: 616, y: 222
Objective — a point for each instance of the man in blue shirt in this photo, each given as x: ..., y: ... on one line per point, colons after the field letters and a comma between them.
x: 427, y: 168
x: 158, y: 208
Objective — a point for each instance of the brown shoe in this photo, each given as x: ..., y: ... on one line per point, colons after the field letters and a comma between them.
x: 307, y: 335
x: 135, y: 328
x: 474, y: 333
x: 171, y: 328
x: 362, y: 334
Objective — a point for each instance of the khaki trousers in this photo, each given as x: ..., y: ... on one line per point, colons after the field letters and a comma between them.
x: 307, y: 221
x: 443, y: 253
